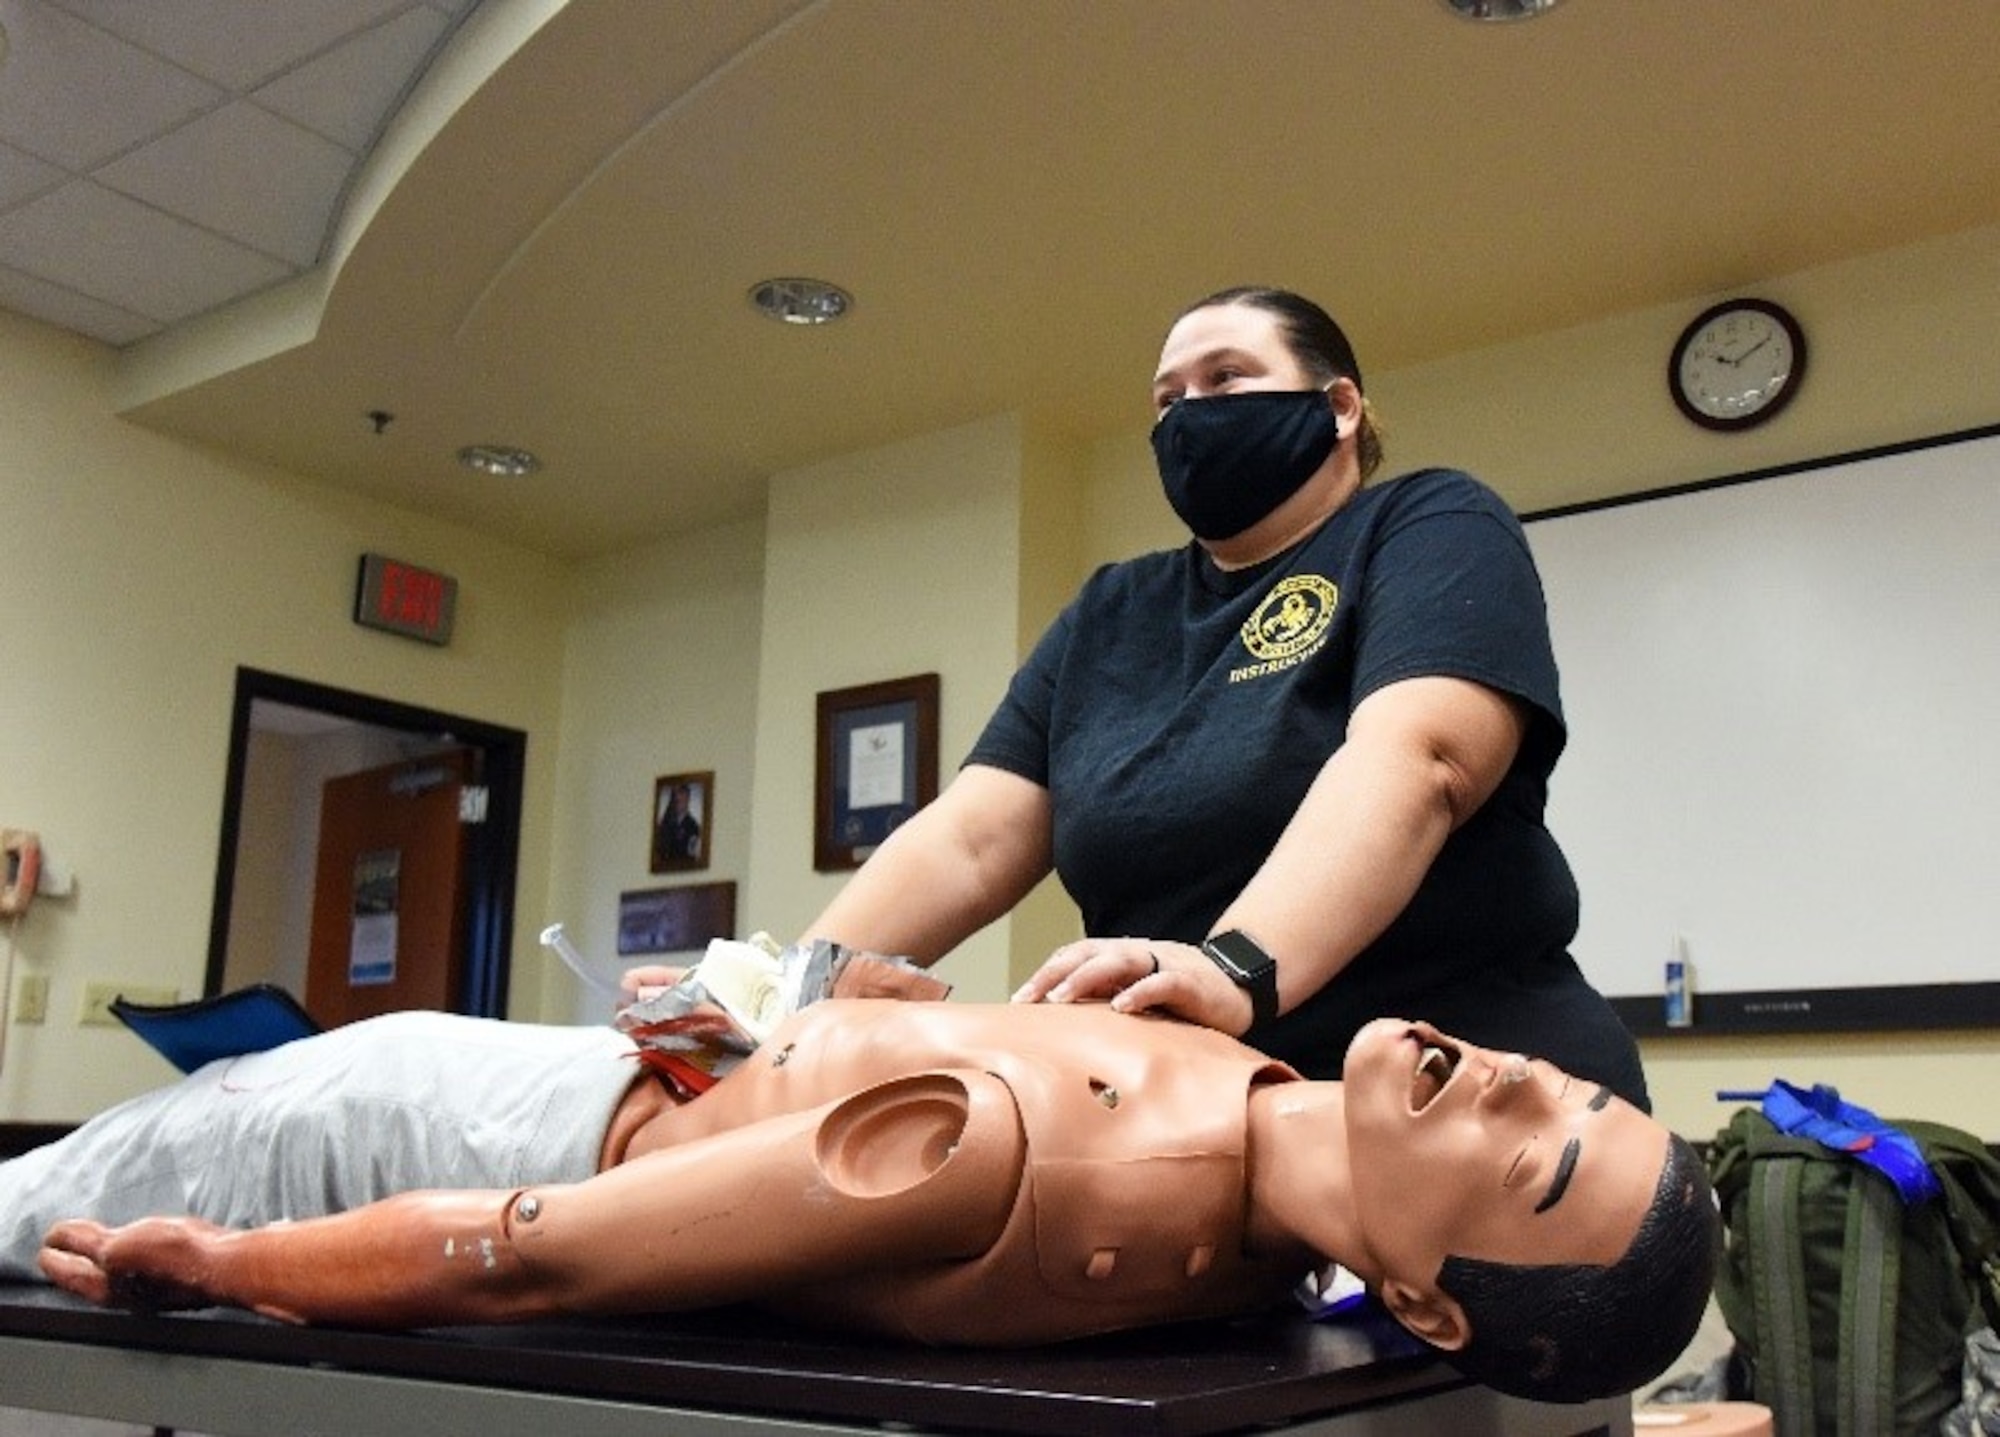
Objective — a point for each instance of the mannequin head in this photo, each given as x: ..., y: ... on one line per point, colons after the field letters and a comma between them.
x: 1553, y: 1241
x: 1565, y: 1333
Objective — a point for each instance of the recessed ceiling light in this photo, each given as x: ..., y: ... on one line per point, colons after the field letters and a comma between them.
x: 1500, y: 9
x: 801, y: 301
x: 502, y: 459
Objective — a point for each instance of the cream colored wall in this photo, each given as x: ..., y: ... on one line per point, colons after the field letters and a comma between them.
x: 266, y: 885
x: 1902, y: 347
x: 883, y: 564
x: 137, y: 574
x: 661, y: 677
x: 900, y: 561
x: 1051, y: 567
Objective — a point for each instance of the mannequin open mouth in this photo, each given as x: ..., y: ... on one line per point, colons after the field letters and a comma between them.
x: 1436, y: 1062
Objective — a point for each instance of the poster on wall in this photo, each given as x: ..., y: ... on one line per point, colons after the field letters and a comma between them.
x: 371, y: 953
x: 675, y: 920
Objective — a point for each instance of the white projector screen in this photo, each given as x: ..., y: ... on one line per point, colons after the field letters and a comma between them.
x: 1783, y: 693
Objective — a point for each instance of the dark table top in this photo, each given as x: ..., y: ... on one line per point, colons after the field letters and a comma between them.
x: 1193, y: 1380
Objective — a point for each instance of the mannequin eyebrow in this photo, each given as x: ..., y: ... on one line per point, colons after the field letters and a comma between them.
x: 1566, y: 1164
x: 1565, y: 1169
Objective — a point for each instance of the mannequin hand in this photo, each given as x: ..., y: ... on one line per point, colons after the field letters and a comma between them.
x: 1139, y: 975
x: 157, y: 1264
x: 648, y: 980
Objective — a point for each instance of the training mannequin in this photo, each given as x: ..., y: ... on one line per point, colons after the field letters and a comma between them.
x: 1009, y: 1174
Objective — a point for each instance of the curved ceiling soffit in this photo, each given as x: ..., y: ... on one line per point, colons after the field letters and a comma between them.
x: 613, y: 157
x: 289, y: 316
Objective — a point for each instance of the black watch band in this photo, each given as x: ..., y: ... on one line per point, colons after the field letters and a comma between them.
x: 1250, y: 968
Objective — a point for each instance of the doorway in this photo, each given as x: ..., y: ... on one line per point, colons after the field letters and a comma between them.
x: 288, y: 739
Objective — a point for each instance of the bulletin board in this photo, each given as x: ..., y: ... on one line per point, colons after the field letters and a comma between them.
x: 1783, y: 693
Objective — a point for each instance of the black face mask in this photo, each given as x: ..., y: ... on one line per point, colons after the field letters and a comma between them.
x: 1227, y: 461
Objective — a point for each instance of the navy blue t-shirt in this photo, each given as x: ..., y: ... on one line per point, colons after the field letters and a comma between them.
x: 1177, y: 713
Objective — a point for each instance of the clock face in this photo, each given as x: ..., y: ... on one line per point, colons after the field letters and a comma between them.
x: 1737, y: 364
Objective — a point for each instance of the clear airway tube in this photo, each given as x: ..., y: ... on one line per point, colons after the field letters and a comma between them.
x: 557, y: 942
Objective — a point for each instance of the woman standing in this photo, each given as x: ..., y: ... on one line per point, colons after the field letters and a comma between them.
x: 1294, y: 772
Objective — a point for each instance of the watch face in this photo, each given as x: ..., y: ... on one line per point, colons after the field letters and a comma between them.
x: 1737, y: 364
x: 1250, y: 968
x: 1238, y: 955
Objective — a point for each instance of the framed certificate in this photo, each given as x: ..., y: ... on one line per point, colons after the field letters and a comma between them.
x: 877, y: 765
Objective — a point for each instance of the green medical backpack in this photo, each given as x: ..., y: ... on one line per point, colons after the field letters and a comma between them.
x: 1849, y: 1310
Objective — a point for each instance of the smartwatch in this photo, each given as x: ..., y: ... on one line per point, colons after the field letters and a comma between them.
x: 1250, y: 968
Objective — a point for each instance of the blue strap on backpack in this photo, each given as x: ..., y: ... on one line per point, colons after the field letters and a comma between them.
x: 1819, y: 1113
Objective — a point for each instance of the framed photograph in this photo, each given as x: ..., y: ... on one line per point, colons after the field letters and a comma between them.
x: 675, y: 920
x: 877, y: 764
x: 683, y: 814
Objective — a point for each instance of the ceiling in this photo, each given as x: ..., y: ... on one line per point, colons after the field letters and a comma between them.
x: 160, y: 158
x: 534, y: 223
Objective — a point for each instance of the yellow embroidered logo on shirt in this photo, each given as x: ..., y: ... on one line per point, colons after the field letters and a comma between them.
x: 1289, y: 626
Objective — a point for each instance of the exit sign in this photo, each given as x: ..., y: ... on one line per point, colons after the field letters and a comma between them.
x: 404, y: 599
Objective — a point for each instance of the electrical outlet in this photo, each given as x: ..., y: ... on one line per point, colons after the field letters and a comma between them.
x: 31, y: 999
x: 95, y: 1010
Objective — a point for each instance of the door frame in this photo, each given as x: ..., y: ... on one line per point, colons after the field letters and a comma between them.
x: 492, y: 852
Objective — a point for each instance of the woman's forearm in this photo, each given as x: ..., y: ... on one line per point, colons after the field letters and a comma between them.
x: 1350, y: 861
x: 909, y: 900
x: 962, y: 862
x: 1421, y: 758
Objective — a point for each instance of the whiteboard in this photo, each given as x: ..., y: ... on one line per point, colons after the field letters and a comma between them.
x: 1783, y: 694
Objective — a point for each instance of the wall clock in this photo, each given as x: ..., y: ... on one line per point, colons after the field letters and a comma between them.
x: 1737, y: 364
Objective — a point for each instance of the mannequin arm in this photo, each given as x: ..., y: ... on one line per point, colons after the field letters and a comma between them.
x: 919, y: 1169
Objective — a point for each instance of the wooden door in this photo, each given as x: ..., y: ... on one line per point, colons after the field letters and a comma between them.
x: 388, y: 893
